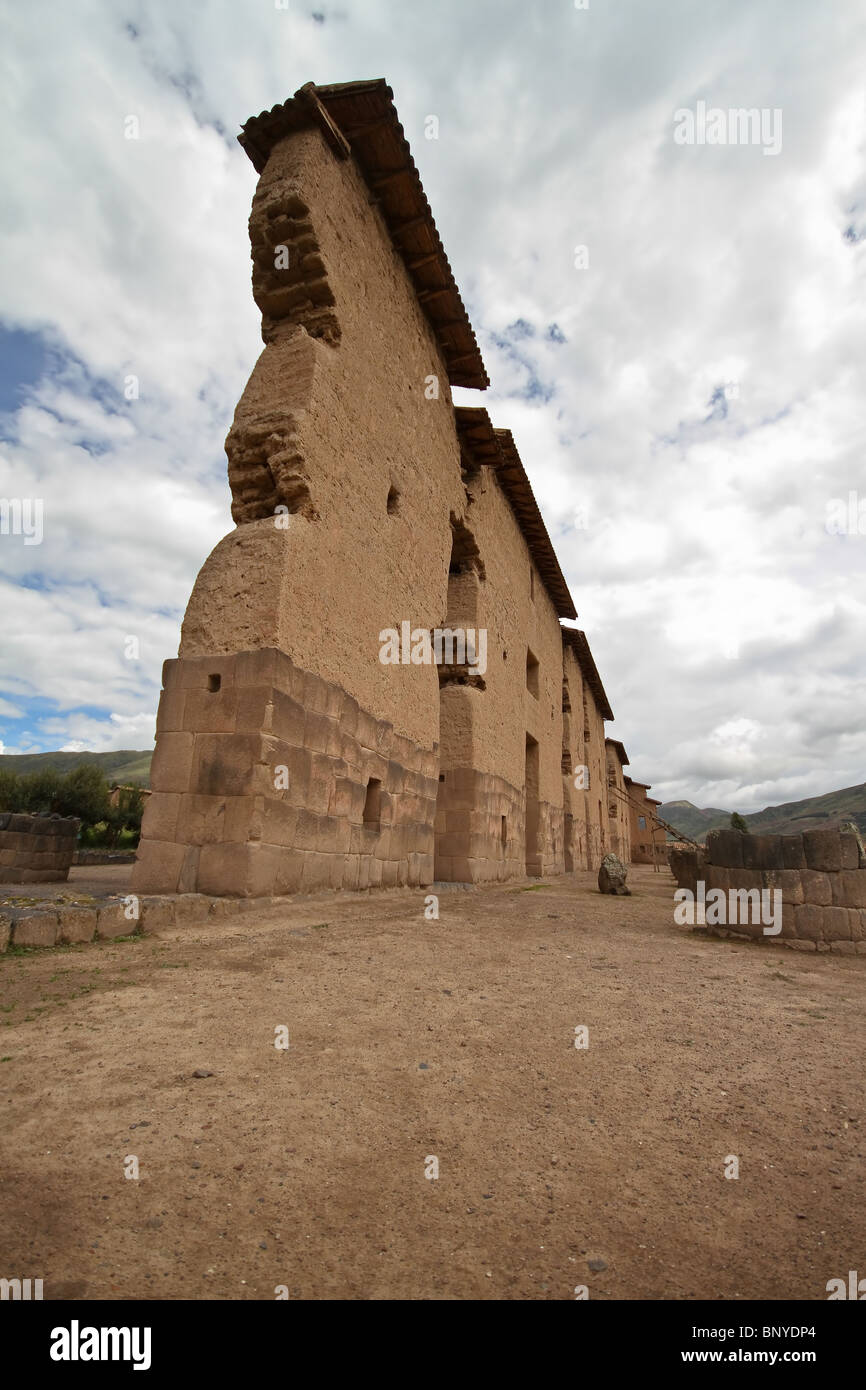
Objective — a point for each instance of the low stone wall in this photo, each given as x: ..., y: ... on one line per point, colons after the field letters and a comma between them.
x: 36, y: 849
x: 821, y: 875
x: 66, y: 924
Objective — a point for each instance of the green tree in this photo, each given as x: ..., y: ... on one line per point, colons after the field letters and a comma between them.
x: 83, y: 792
x: 125, y: 813
x: 738, y: 823
x: 10, y: 791
x: 37, y: 791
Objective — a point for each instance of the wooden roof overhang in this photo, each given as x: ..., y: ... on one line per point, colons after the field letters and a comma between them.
x: 496, y: 449
x: 576, y: 639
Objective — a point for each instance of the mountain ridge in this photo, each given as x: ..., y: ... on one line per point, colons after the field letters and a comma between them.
x: 789, y: 817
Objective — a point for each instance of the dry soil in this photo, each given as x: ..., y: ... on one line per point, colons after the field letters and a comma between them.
x: 412, y: 1039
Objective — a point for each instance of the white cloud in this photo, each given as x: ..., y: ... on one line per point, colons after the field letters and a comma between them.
x: 704, y: 406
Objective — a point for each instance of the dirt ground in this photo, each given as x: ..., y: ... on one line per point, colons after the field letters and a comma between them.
x: 411, y: 1039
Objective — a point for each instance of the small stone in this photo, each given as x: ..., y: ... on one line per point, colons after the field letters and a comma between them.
x: 597, y: 1265
x: 422, y: 1066
x: 262, y: 1245
x: 200, y: 1071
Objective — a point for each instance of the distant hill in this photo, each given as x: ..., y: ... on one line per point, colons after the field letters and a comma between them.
x: 124, y: 765
x: 815, y: 813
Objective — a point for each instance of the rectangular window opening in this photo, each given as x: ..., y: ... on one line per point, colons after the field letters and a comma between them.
x: 532, y: 673
x: 373, y: 802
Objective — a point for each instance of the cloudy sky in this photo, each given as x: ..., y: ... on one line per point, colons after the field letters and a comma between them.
x: 675, y: 332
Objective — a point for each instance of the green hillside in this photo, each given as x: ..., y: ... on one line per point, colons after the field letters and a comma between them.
x: 814, y: 813
x: 125, y: 765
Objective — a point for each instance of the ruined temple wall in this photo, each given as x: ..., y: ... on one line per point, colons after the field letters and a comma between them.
x: 328, y: 425
x: 588, y: 805
x: 481, y: 820
x: 574, y: 798
x: 619, y: 823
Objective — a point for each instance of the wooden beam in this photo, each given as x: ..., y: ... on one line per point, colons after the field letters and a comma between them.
x: 381, y: 180
x: 332, y: 132
x: 358, y: 132
x: 408, y: 223
x: 418, y: 261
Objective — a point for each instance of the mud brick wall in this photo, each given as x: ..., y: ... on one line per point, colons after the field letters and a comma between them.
x: 820, y: 873
x: 356, y: 812
x: 36, y: 849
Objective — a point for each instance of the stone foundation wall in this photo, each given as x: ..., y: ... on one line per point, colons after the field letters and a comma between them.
x: 821, y: 875
x: 36, y: 849
x: 469, y: 837
x: 473, y: 846
x: 269, y: 780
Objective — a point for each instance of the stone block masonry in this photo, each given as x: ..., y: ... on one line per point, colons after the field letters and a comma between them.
x: 36, y: 849
x: 821, y: 875
x: 268, y: 780
x: 50, y: 924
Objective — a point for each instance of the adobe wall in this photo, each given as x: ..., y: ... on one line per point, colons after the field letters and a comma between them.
x: 644, y: 850
x: 619, y: 822
x: 589, y: 823
x: 334, y: 416
x: 573, y: 799
x: 36, y: 849
x: 483, y: 731
x: 821, y: 875
x: 334, y: 425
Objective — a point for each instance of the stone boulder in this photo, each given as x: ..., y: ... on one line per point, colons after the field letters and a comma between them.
x: 612, y: 876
